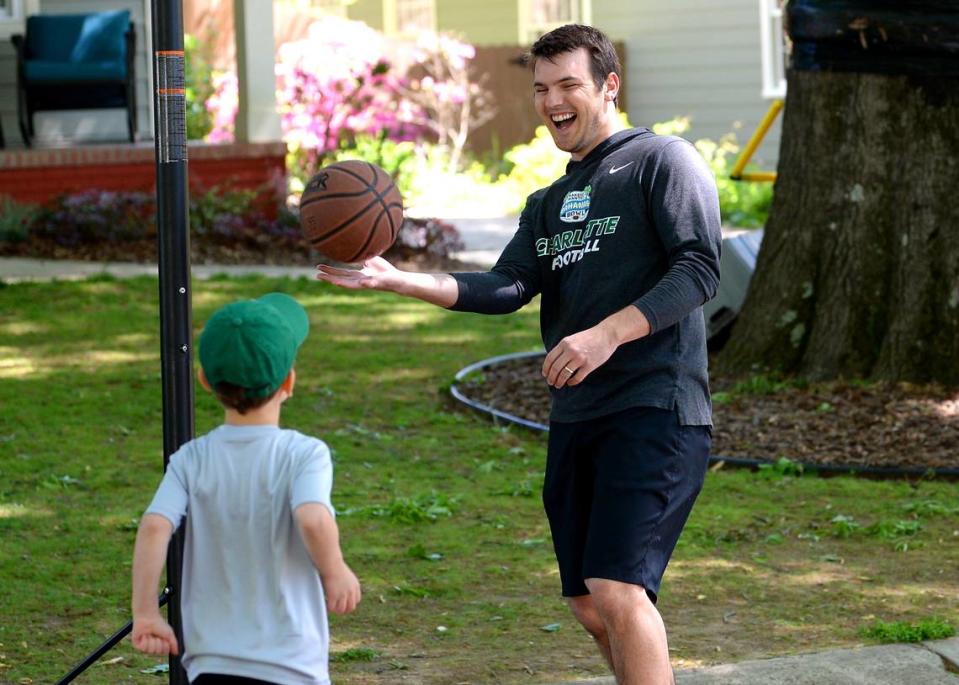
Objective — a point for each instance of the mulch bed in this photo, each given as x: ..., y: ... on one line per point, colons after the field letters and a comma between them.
x: 145, y: 252
x: 836, y: 424
x: 208, y: 252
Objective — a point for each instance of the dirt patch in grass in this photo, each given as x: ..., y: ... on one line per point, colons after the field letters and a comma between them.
x: 866, y: 426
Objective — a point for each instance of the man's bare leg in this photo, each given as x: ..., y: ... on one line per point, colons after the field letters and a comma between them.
x: 634, y: 631
x: 584, y: 611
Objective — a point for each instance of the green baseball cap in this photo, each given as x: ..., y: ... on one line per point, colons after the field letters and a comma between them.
x: 253, y: 343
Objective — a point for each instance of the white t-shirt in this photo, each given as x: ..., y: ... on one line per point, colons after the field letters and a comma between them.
x: 251, y: 598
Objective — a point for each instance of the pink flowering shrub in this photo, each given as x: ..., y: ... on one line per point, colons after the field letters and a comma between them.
x: 444, y: 88
x: 332, y: 86
x: 223, y: 105
x: 347, y: 81
x: 338, y: 84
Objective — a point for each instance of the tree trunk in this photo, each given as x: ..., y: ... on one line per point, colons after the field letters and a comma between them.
x: 858, y: 274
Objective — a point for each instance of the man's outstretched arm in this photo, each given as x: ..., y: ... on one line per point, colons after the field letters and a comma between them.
x: 509, y: 285
x: 379, y: 274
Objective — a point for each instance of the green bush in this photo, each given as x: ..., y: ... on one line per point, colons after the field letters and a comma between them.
x: 538, y: 163
x: 424, y: 237
x: 421, y: 172
x: 741, y: 203
x: 198, y: 80
x: 533, y: 165
x: 15, y: 219
x: 234, y: 218
x: 95, y: 216
x: 395, y: 158
x: 218, y: 215
x: 220, y: 211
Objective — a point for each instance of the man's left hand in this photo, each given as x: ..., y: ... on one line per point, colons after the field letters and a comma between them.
x: 578, y: 355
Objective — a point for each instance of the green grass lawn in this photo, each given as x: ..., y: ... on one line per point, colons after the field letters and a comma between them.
x: 439, y: 509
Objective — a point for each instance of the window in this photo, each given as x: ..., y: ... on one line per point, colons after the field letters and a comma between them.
x: 773, y: 41
x: 409, y: 16
x: 537, y: 17
x: 11, y: 10
x: 415, y: 15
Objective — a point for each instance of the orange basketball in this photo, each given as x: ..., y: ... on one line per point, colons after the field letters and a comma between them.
x: 351, y: 211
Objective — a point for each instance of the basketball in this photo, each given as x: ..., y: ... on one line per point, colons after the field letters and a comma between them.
x: 351, y: 211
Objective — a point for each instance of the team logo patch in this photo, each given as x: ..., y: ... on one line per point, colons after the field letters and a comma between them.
x: 575, y: 205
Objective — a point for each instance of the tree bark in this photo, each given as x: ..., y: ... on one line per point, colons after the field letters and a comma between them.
x: 858, y: 274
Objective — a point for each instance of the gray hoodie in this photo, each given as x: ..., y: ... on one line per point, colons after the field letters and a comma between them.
x: 634, y: 222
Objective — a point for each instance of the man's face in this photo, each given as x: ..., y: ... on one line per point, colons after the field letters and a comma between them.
x: 578, y: 115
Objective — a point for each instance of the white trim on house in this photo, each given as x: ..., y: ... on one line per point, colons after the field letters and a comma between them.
x: 257, y: 120
x: 391, y: 16
x: 11, y: 10
x: 772, y: 44
x: 14, y: 20
x: 581, y: 12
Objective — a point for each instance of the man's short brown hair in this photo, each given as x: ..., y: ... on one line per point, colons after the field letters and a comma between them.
x: 603, y: 59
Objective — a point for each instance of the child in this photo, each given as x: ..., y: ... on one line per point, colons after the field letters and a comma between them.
x: 259, y: 520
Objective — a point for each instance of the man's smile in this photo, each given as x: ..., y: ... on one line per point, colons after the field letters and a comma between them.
x: 563, y: 120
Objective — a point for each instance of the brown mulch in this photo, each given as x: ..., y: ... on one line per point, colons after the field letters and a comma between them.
x: 145, y: 252
x: 836, y: 424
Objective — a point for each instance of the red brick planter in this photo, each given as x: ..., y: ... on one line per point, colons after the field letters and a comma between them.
x: 38, y: 175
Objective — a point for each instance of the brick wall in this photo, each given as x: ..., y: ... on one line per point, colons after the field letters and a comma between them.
x: 38, y: 175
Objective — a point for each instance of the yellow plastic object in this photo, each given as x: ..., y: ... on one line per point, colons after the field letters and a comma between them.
x: 763, y: 176
x: 768, y: 176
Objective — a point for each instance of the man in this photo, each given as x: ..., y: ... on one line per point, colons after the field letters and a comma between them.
x: 624, y: 250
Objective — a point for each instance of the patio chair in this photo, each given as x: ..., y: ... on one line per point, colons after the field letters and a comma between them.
x: 75, y: 61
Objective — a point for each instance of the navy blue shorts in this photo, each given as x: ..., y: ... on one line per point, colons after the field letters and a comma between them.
x: 618, y: 491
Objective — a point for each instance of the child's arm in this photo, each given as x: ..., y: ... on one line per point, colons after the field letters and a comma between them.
x: 322, y: 540
x: 151, y: 633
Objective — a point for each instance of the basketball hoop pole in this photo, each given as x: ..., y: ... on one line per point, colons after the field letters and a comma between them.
x: 173, y: 243
x: 176, y: 331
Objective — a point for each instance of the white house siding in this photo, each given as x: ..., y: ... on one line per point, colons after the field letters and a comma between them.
x: 693, y: 57
x: 493, y: 22
x: 71, y: 126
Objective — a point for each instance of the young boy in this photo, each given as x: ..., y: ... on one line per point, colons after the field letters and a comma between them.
x: 260, y: 522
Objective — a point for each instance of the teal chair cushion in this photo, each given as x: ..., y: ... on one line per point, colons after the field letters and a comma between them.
x: 46, y: 71
x: 52, y: 37
x: 77, y: 38
x: 102, y: 37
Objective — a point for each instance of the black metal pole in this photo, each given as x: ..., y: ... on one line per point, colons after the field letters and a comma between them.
x: 108, y: 644
x: 173, y: 242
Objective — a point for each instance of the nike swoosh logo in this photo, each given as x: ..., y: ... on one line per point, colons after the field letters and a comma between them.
x: 614, y: 169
